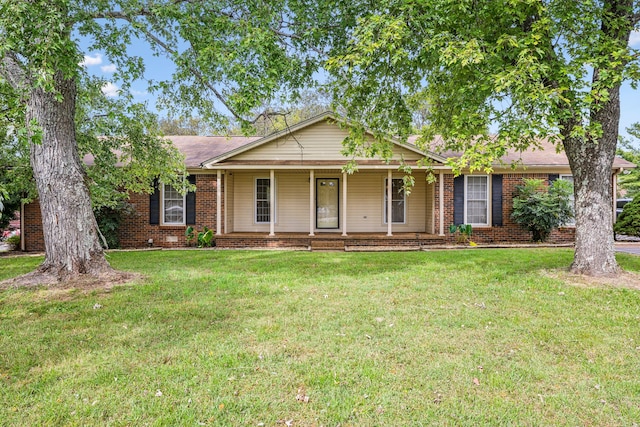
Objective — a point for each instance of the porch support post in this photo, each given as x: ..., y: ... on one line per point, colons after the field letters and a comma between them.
x: 23, y: 243
x: 218, y: 202
x: 312, y: 196
x: 441, y: 200
x: 389, y: 202
x: 344, y: 203
x: 614, y: 179
x: 272, y: 198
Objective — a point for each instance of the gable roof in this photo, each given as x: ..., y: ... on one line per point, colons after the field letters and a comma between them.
x: 326, y: 116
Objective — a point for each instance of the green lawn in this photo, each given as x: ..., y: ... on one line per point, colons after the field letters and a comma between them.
x: 474, y: 337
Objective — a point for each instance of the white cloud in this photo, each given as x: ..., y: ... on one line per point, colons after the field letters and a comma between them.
x: 634, y: 40
x: 91, y: 60
x: 139, y: 92
x: 110, y: 90
x: 108, y: 69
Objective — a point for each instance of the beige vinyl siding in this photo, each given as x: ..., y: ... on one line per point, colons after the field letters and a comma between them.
x: 364, y: 200
x: 365, y: 203
x: 244, y: 209
x: 322, y: 141
x: 229, y: 201
x: 292, y: 202
x: 429, y: 208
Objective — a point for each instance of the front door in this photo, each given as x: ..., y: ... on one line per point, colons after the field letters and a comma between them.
x: 327, y: 207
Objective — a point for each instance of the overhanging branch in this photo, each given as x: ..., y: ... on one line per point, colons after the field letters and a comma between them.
x: 13, y: 71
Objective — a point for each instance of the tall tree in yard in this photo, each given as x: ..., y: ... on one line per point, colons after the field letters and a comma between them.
x: 499, y: 75
x: 247, y: 45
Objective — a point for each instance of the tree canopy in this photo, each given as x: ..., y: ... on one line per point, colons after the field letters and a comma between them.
x: 500, y: 75
x: 229, y: 57
x: 487, y: 76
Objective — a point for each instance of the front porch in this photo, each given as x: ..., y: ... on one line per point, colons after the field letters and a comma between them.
x: 330, y: 241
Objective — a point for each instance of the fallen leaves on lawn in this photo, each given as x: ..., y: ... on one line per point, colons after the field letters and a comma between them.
x: 302, y: 395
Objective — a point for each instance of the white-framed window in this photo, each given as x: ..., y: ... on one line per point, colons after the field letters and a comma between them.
x: 398, y: 201
x: 572, y: 221
x: 262, y: 206
x: 173, y: 206
x: 476, y: 203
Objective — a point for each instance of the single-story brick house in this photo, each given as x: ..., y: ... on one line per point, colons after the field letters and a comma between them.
x: 288, y: 190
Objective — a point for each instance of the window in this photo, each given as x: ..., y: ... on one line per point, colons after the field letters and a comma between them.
x: 263, y: 191
x: 477, y: 200
x: 571, y: 222
x: 173, y: 204
x: 397, y: 200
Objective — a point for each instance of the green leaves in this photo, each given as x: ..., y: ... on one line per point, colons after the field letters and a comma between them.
x: 540, y: 209
x: 522, y: 71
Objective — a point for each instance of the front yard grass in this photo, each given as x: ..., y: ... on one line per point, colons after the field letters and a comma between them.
x: 221, y: 338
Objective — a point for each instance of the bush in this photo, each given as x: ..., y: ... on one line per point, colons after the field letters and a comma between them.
x: 109, y: 220
x: 13, y: 240
x: 628, y: 222
x: 203, y: 239
x: 540, y: 208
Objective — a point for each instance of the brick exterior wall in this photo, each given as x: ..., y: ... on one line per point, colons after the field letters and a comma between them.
x: 32, y: 234
x: 136, y: 230
x: 510, y: 232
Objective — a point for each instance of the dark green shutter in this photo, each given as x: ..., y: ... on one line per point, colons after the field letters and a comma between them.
x: 191, y: 202
x: 154, y: 204
x: 458, y: 200
x: 496, y: 200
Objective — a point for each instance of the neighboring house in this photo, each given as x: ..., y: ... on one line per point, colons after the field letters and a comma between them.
x: 288, y: 190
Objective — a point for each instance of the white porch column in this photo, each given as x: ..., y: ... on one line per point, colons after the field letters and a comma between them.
x: 23, y: 242
x: 344, y: 203
x: 219, y: 202
x: 389, y: 202
x: 312, y: 205
x: 441, y: 200
x: 272, y: 198
x: 614, y: 178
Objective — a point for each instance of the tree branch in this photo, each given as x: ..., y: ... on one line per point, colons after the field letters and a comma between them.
x: 143, y: 11
x: 269, y: 114
x: 13, y: 71
x: 196, y: 73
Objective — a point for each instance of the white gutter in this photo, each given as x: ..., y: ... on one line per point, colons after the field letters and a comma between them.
x: 307, y: 167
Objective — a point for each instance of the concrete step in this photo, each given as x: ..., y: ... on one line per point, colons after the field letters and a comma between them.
x: 327, y: 245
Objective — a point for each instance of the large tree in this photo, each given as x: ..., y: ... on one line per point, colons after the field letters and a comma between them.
x: 498, y: 75
x: 229, y: 55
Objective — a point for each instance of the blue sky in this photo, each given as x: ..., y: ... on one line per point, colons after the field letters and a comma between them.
x: 158, y: 68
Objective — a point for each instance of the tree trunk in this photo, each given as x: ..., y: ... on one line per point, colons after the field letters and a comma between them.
x: 592, y: 161
x: 70, y: 229
x: 591, y: 164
